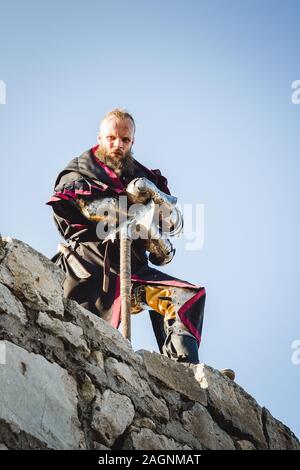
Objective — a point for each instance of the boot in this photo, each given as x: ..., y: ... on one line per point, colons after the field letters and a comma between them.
x: 228, y: 373
x: 180, y: 345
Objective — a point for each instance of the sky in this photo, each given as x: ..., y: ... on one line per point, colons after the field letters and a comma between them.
x: 209, y: 84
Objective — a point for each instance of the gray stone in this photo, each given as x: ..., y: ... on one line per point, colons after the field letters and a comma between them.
x: 106, y: 339
x: 145, y: 423
x: 279, y: 436
x: 229, y: 404
x: 112, y: 414
x: 3, y: 446
x: 176, y: 376
x: 16, y: 439
x: 199, y: 422
x: 11, y: 306
x: 154, y: 406
x: 173, y: 398
x: 68, y: 332
x: 96, y: 373
x: 98, y: 446
x: 88, y: 389
x: 129, y: 400
x: 39, y: 398
x: 33, y: 278
x: 124, y: 372
x: 97, y: 356
x: 174, y: 429
x: 129, y: 383
x: 146, y: 439
x: 245, y: 445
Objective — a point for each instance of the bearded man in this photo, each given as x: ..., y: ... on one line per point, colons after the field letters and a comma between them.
x: 92, y: 184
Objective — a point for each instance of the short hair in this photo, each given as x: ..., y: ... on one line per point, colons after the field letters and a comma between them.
x: 120, y: 114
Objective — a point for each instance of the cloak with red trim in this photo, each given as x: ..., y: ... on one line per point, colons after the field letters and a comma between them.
x: 88, y: 177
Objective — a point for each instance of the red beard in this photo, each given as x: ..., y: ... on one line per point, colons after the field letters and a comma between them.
x: 121, y: 166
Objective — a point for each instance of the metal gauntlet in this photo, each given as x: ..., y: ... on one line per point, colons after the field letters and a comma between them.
x: 168, y: 218
x: 141, y: 190
x: 161, y: 249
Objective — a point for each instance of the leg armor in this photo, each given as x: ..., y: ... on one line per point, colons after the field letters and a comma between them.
x: 179, y: 344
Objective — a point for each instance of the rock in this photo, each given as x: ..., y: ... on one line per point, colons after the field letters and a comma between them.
x: 39, y: 398
x: 146, y: 439
x: 230, y: 405
x: 97, y: 374
x: 32, y: 277
x: 10, y: 305
x: 88, y: 389
x: 108, y: 340
x: 145, y: 423
x: 98, y: 446
x: 279, y: 436
x: 123, y: 371
x: 97, y: 356
x: 245, y: 445
x: 176, y: 376
x: 68, y: 332
x: 173, y: 398
x: 112, y: 414
x: 199, y: 422
x: 174, y: 429
x: 129, y: 383
x: 70, y: 381
x: 16, y: 439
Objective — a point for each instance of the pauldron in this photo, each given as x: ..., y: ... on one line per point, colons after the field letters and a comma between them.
x: 105, y: 209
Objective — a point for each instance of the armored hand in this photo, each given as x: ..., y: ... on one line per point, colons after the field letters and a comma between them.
x: 167, y: 220
x: 170, y: 220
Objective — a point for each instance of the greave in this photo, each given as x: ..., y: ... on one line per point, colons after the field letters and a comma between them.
x: 180, y: 345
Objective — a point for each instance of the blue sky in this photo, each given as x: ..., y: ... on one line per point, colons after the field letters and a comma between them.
x: 209, y: 84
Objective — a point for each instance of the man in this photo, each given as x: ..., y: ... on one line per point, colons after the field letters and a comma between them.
x: 85, y: 192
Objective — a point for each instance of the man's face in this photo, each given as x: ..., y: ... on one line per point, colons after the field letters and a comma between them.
x: 116, y: 137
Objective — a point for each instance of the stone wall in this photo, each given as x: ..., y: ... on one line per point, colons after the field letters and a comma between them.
x: 70, y: 381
